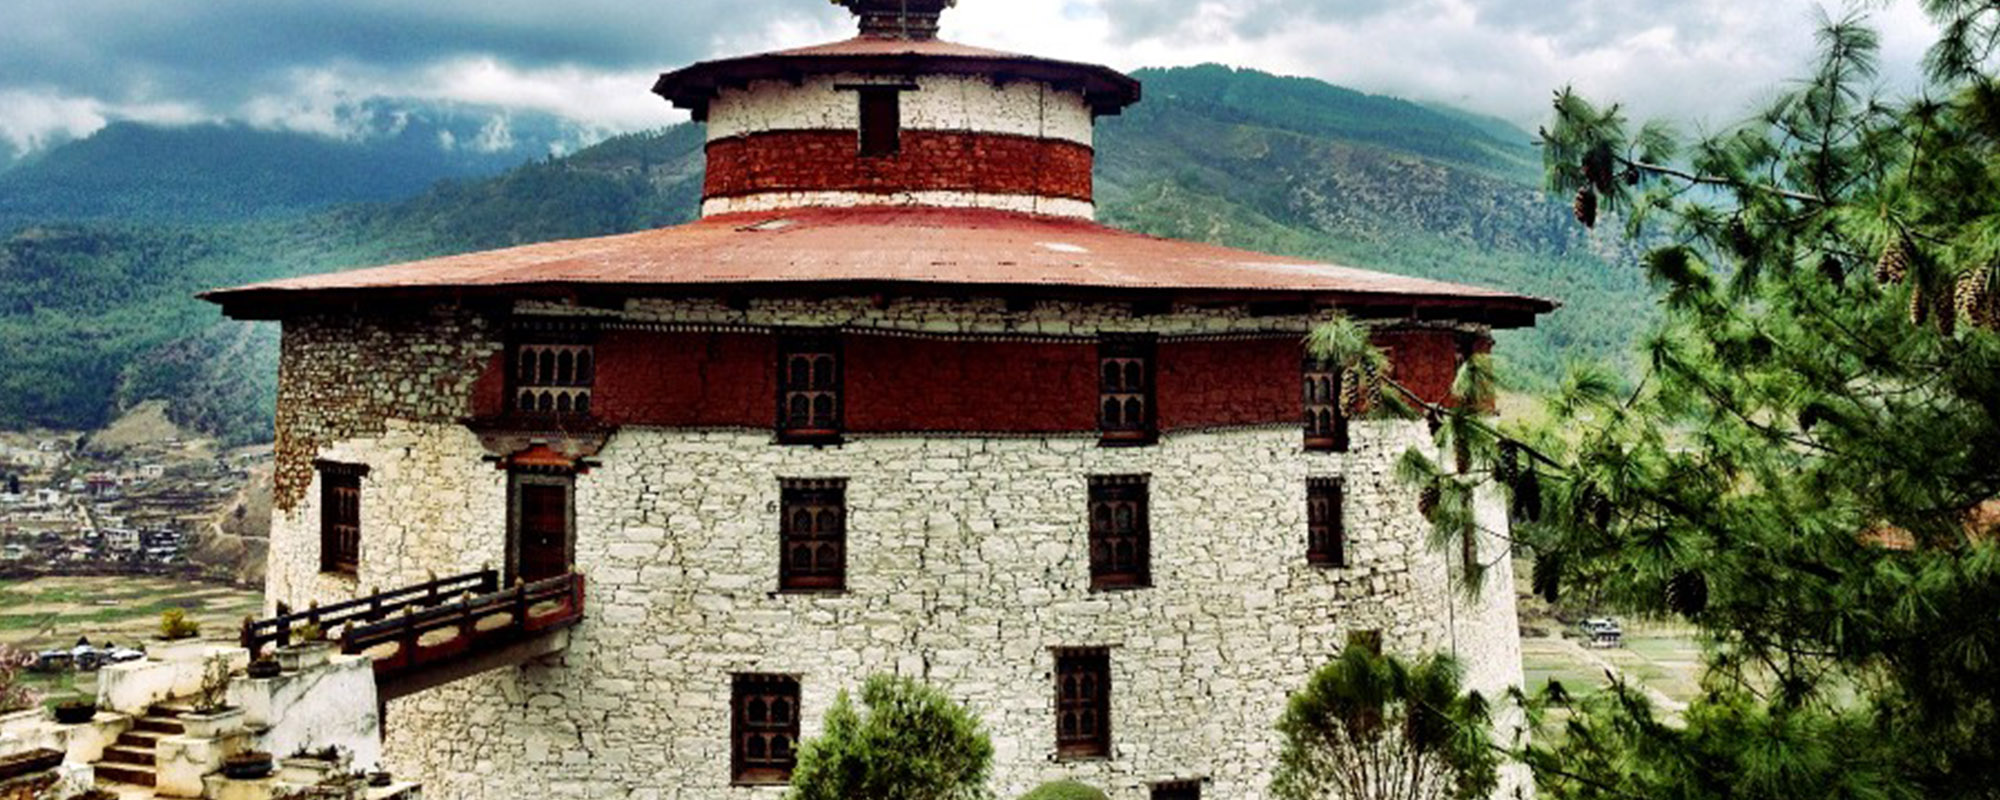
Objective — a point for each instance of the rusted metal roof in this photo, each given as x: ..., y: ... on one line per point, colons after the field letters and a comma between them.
x: 1107, y: 90
x: 819, y: 251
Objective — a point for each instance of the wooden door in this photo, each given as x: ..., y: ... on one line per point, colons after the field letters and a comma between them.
x: 542, y: 529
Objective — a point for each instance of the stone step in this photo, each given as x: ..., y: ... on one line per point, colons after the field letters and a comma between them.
x: 142, y: 740
x: 127, y: 754
x: 158, y: 724
x: 134, y: 774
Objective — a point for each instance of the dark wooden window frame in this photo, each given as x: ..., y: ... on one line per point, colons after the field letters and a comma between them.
x: 1326, y: 417
x: 1127, y: 390
x: 1326, y: 522
x: 880, y: 132
x: 1083, y: 703
x: 818, y: 425
x: 1177, y: 790
x: 538, y: 477
x: 754, y: 732
x: 561, y: 378
x: 340, y: 517
x: 812, y: 523
x: 1113, y: 568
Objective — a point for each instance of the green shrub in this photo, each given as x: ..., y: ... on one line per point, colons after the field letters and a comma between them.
x: 176, y: 624
x: 913, y: 743
x: 1063, y: 790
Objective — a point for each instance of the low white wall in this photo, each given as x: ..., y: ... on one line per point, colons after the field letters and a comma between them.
x: 331, y: 705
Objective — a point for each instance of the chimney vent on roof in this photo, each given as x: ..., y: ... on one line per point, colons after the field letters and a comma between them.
x: 898, y: 19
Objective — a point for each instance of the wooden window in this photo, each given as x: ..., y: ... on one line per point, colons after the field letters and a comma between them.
x: 1125, y: 389
x: 881, y: 122
x: 541, y: 517
x: 809, y: 383
x: 1326, y: 416
x: 553, y: 378
x: 1120, y: 539
x: 1326, y: 530
x: 764, y: 731
x: 1083, y: 703
x: 1177, y: 790
x: 814, y: 535
x: 340, y: 517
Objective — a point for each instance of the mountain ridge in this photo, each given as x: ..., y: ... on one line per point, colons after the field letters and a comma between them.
x: 98, y: 315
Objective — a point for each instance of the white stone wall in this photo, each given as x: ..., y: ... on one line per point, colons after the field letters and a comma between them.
x: 967, y: 563
x: 940, y: 103
x: 1023, y: 203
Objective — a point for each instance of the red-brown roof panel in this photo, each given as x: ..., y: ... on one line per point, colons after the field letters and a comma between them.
x: 821, y: 248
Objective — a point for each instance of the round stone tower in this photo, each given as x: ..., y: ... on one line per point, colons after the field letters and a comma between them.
x: 893, y: 405
x: 897, y: 117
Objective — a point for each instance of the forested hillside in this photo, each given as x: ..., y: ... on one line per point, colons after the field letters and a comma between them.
x: 98, y: 315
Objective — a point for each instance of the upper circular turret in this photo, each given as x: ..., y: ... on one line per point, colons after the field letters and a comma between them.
x: 902, y: 19
x: 896, y: 116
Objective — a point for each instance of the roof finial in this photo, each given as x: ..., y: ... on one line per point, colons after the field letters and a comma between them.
x: 898, y: 19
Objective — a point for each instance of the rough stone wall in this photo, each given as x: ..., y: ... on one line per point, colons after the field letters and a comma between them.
x: 339, y: 378
x: 967, y: 562
x: 940, y: 103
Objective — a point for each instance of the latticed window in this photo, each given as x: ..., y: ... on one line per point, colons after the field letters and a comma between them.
x: 553, y: 378
x: 1083, y: 703
x: 1326, y: 533
x: 1119, y: 533
x: 814, y: 535
x: 765, y: 728
x: 809, y: 379
x: 1177, y: 790
x: 1326, y: 415
x: 1125, y: 389
x: 340, y: 517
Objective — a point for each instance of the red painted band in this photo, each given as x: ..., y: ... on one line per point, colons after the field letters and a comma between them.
x: 930, y: 161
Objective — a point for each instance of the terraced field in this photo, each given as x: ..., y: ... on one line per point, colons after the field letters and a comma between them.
x: 54, y: 612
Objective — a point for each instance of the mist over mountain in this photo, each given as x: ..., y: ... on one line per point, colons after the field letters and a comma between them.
x: 103, y: 242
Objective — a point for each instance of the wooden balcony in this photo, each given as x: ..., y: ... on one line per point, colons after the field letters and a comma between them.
x: 438, y: 631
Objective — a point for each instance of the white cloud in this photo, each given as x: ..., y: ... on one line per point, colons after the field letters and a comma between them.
x: 1698, y: 60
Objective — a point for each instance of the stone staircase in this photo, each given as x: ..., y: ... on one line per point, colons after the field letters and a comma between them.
x: 133, y: 759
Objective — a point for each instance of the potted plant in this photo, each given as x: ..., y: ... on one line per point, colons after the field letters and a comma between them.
x: 212, y: 713
x: 310, y: 649
x: 265, y: 667
x: 247, y: 766
x: 75, y: 712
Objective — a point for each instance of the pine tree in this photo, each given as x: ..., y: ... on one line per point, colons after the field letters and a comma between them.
x: 1809, y: 467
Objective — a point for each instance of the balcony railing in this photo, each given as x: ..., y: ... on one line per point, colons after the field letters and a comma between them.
x: 433, y: 623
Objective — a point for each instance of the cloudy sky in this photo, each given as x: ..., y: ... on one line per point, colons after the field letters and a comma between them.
x: 69, y: 66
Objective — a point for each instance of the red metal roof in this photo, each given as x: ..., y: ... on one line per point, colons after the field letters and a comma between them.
x: 1107, y: 90
x: 820, y: 250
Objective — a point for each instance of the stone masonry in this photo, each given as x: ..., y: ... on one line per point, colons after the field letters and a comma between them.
x: 966, y: 565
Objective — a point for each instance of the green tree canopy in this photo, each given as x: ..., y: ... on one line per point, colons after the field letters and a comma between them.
x: 1808, y: 470
x: 1372, y: 727
x: 913, y: 743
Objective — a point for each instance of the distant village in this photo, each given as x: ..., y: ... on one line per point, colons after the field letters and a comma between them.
x: 71, y: 505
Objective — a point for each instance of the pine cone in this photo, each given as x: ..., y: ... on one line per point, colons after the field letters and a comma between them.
x: 1974, y: 297
x: 1920, y: 306
x: 1740, y: 241
x: 1428, y: 499
x: 1894, y: 265
x: 1509, y: 464
x: 1945, y: 312
x: 1547, y: 578
x: 1586, y: 207
x: 1631, y: 176
x: 1831, y: 270
x: 1528, y: 494
x: 1687, y: 593
x: 1598, y: 167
